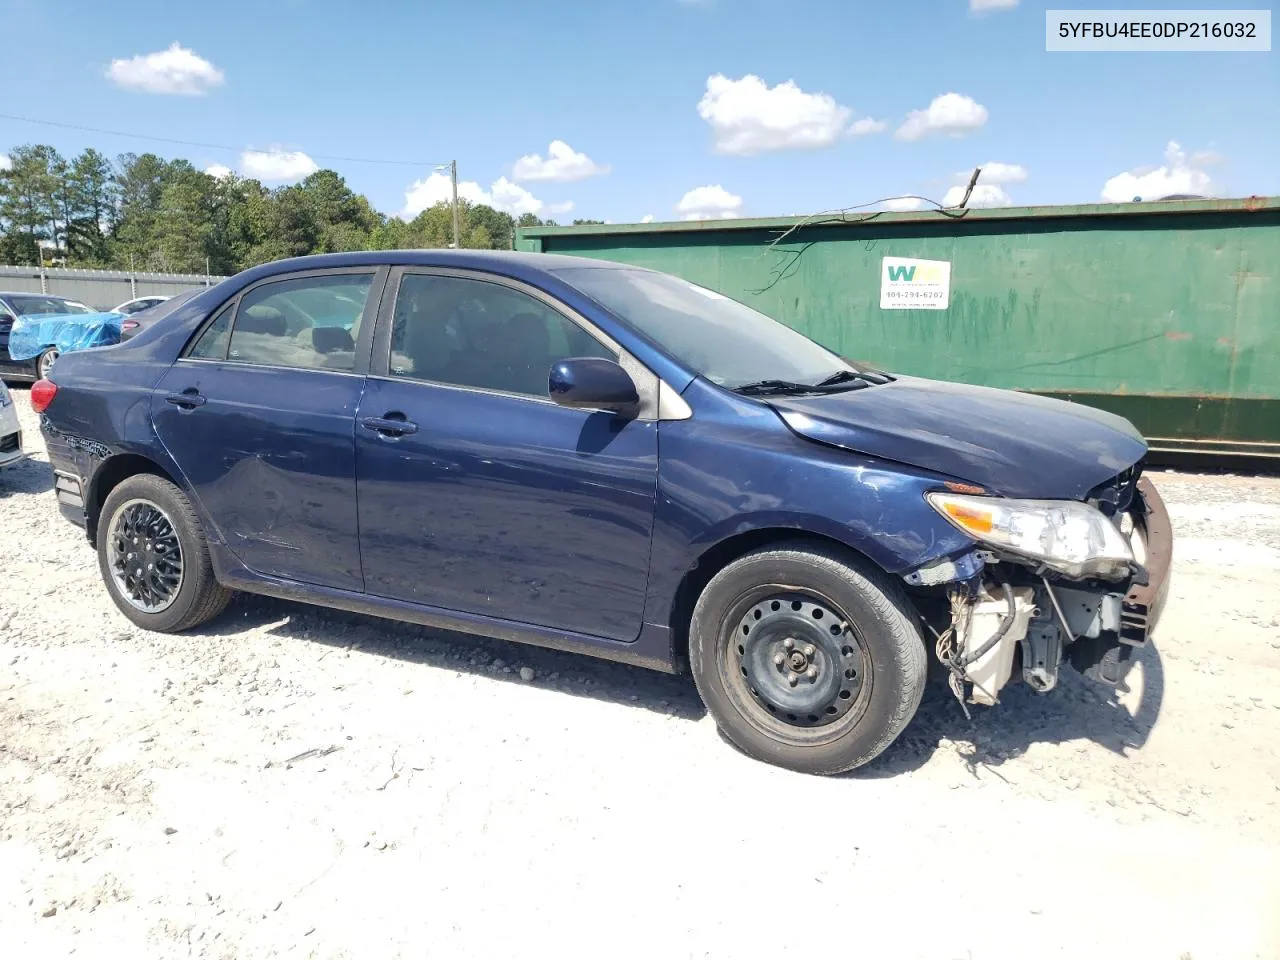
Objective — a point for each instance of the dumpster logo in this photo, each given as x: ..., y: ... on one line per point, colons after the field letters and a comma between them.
x: 907, y: 284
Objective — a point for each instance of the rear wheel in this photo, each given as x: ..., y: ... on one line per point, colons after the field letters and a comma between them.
x: 44, y: 362
x: 154, y: 559
x: 806, y: 660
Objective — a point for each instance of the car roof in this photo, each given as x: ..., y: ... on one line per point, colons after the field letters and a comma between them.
x: 34, y: 293
x: 500, y: 261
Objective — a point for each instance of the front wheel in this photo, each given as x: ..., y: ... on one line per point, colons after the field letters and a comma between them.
x: 807, y: 660
x: 154, y: 559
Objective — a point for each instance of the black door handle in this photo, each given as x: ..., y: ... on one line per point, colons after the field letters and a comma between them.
x: 190, y: 399
x: 392, y: 425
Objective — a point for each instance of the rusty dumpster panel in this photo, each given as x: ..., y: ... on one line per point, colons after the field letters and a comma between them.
x: 1166, y: 313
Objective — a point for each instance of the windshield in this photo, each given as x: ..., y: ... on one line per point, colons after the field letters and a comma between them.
x: 35, y: 306
x: 723, y: 340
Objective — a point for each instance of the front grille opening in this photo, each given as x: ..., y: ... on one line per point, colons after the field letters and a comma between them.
x: 9, y: 444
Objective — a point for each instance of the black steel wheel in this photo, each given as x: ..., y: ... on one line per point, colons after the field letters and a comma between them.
x: 154, y: 559
x: 807, y: 658
x: 797, y: 656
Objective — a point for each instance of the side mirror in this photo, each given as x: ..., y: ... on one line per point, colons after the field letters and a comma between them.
x: 591, y: 383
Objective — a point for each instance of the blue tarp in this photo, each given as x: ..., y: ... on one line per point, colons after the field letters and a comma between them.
x: 66, y: 331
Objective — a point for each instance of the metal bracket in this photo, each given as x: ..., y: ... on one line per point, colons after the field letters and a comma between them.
x: 1042, y: 652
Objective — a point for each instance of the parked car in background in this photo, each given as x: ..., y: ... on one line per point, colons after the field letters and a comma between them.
x: 135, y: 323
x: 605, y: 459
x: 130, y: 307
x: 10, y: 432
x: 35, y: 309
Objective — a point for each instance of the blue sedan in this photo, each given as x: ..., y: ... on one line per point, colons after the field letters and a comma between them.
x: 609, y: 460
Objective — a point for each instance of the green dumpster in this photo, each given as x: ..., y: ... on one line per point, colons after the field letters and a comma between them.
x: 1167, y: 313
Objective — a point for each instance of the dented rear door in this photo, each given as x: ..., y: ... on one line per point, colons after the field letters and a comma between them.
x: 265, y: 444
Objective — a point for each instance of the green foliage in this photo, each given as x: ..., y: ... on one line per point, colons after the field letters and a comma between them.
x: 143, y: 212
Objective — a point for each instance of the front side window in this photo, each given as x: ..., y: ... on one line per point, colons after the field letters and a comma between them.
x: 723, y: 340
x: 310, y: 322
x: 46, y: 306
x: 472, y: 333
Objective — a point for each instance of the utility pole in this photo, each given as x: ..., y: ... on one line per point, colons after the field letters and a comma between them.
x: 453, y: 174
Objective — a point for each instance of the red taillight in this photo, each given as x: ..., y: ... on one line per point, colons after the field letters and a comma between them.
x: 128, y: 324
x: 42, y: 394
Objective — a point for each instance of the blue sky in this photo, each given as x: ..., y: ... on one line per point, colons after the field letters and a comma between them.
x: 625, y: 85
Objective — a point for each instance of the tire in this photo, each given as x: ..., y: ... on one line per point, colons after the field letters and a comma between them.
x: 151, y: 514
x: 850, y: 627
x: 44, y: 362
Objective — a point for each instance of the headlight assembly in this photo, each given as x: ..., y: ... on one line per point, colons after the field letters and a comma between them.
x: 1073, y: 538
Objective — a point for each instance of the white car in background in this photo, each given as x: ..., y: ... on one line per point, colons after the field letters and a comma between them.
x: 10, y: 432
x: 138, y: 304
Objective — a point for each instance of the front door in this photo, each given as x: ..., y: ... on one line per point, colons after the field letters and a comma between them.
x: 259, y: 415
x: 479, y: 494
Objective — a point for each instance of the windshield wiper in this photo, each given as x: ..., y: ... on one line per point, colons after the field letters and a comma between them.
x: 844, y: 376
x: 762, y: 387
x: 773, y: 387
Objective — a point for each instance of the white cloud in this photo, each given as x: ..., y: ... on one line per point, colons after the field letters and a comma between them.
x: 1178, y: 175
x: 557, y: 208
x: 982, y: 6
x: 502, y: 195
x: 996, y: 172
x: 5, y: 162
x: 562, y: 164
x: 952, y: 114
x: 984, y: 195
x: 218, y: 171
x: 866, y: 125
x: 748, y: 116
x: 901, y: 204
x: 647, y: 218
x: 709, y: 203
x: 425, y: 194
x: 175, y: 70
x: 513, y: 199
x: 1207, y: 158
x: 276, y: 164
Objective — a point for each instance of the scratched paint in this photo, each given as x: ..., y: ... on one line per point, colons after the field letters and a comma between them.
x: 1106, y: 304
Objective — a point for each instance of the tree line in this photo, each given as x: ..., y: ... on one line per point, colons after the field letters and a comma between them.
x: 142, y: 212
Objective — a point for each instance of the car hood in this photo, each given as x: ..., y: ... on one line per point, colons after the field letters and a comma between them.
x: 1016, y: 444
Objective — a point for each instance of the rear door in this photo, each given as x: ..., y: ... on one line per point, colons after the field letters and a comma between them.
x: 479, y: 494
x: 259, y: 415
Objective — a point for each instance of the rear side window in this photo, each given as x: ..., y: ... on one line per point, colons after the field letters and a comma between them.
x: 310, y: 322
x: 212, y: 344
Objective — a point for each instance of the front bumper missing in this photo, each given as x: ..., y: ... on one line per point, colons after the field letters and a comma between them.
x: 1107, y: 657
x: 1094, y: 625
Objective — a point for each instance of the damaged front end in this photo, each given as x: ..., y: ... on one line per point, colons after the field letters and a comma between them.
x: 1048, y: 581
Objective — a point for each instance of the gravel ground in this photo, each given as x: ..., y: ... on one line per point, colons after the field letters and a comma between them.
x: 295, y: 782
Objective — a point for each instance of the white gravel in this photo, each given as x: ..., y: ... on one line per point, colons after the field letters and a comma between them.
x: 295, y: 782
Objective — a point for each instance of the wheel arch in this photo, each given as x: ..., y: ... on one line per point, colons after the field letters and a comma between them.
x: 109, y: 475
x: 724, y: 552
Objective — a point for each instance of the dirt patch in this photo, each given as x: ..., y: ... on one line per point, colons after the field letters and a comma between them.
x: 296, y: 782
